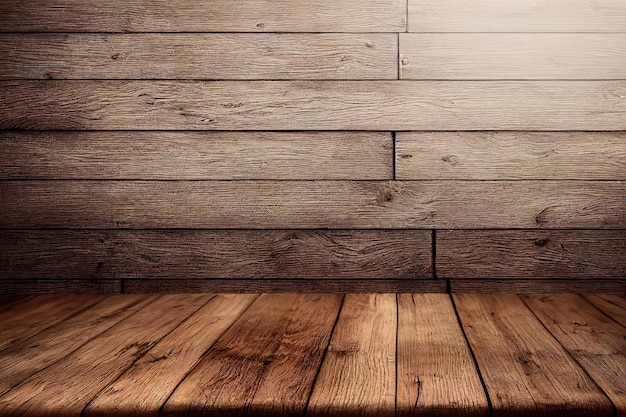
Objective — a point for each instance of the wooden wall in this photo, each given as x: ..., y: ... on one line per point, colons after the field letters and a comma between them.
x: 337, y: 145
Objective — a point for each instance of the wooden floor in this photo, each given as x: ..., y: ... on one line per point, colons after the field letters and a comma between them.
x: 330, y: 354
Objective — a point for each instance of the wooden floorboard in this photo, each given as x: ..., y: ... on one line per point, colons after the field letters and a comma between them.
x: 197, y: 155
x: 287, y: 354
x: 167, y: 363
x: 312, y: 204
x: 67, y: 386
x: 28, y: 356
x: 512, y: 56
x: 525, y: 370
x: 313, y: 105
x: 436, y: 372
x: 596, y: 342
x: 35, y: 315
x: 511, y: 155
x: 233, y: 56
x: 358, y: 376
x: 611, y: 305
x: 265, y: 364
x: 518, y: 16
x: 219, y: 254
x: 200, y: 16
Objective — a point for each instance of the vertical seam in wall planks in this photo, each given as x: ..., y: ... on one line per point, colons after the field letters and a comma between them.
x: 569, y: 353
x: 406, y: 16
x: 471, y: 350
x: 398, y: 61
x: 393, y: 156
x: 433, y: 260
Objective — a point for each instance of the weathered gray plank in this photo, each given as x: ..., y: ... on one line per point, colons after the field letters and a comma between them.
x: 513, y: 56
x: 538, y: 286
x: 202, y: 16
x: 370, y: 285
x: 196, y: 155
x: 312, y: 204
x: 313, y: 105
x: 581, y: 254
x: 10, y: 285
x: 511, y: 155
x: 189, y: 254
x: 516, y: 16
x: 225, y: 56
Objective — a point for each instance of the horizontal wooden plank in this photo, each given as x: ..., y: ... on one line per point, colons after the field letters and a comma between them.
x: 201, y: 16
x: 313, y: 105
x: 312, y: 204
x: 43, y: 286
x: 240, y: 56
x: 512, y: 56
x: 516, y: 16
x: 511, y: 155
x: 581, y: 254
x: 538, y: 286
x: 196, y: 155
x: 188, y: 254
x: 143, y: 286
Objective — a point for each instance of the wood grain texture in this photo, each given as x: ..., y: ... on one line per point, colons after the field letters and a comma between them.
x: 201, y: 16
x: 436, y: 372
x: 265, y: 364
x: 518, y: 16
x: 67, y: 386
x: 511, y: 155
x: 313, y: 105
x: 26, y: 357
x: 358, y: 375
x: 35, y: 315
x: 225, y: 56
x: 167, y: 286
x: 189, y: 254
x: 537, y: 286
x: 41, y: 286
x: 611, y: 305
x: 312, y: 204
x: 596, y: 342
x: 196, y: 155
x: 580, y: 254
x: 525, y: 370
x: 166, y: 364
x: 512, y: 56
